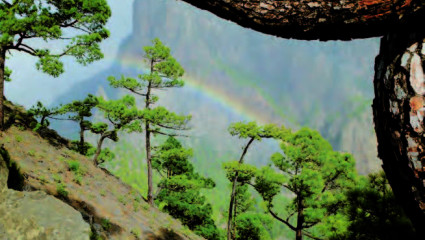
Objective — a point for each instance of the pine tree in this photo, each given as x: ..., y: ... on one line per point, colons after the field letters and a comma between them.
x: 318, y: 178
x: 121, y: 114
x: 180, y: 189
x: 165, y: 72
x: 79, y: 111
x: 43, y: 113
x: 77, y: 24
x: 238, y: 172
x: 373, y: 212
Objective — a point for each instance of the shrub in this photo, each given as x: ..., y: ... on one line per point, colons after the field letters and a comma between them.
x: 74, y: 166
x: 61, y: 189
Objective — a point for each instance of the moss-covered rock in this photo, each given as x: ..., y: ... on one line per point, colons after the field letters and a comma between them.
x: 36, y: 215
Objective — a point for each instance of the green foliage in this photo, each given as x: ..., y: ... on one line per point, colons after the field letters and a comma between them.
x: 7, y: 74
x: 74, y: 166
x: 136, y: 232
x: 106, y: 155
x: 172, y: 159
x: 373, y: 212
x: 78, y: 178
x: 18, y: 138
x: 78, y: 24
x: 240, y: 173
x: 316, y: 176
x: 180, y: 189
x: 78, y: 111
x: 165, y: 72
x: 31, y: 153
x: 245, y: 171
x: 106, y: 224
x: 252, y: 226
x: 122, y: 114
x: 87, y: 148
x: 22, y: 21
x: 252, y: 130
x: 61, y: 190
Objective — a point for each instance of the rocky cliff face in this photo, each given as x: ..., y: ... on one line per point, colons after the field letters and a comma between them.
x: 50, y: 192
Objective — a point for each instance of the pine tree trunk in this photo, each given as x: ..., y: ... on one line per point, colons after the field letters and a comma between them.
x: 148, y: 143
x: 2, y: 68
x: 235, y: 208
x: 149, y: 161
x: 399, y: 110
x: 300, y: 220
x: 231, y: 206
x: 232, y: 197
x: 81, y: 144
x: 99, y: 149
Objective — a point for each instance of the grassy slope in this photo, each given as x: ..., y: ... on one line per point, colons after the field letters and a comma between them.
x: 115, y: 209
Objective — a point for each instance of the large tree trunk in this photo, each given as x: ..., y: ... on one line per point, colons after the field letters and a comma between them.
x: 2, y: 68
x: 399, y: 110
x: 316, y: 19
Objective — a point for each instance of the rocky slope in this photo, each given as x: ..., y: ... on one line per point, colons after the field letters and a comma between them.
x: 51, y: 192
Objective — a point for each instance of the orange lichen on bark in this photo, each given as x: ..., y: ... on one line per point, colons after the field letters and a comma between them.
x: 416, y: 103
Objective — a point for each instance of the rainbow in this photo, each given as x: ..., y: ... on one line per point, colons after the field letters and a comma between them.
x: 268, y: 112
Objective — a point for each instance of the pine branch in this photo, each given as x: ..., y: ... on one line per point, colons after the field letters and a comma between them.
x: 281, y: 220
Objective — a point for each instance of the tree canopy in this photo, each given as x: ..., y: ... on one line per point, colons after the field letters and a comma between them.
x: 77, y: 25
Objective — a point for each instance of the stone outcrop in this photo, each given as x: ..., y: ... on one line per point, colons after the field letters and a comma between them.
x: 314, y: 19
x: 36, y: 215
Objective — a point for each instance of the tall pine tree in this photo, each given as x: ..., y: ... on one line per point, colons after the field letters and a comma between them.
x: 165, y: 72
x: 238, y: 172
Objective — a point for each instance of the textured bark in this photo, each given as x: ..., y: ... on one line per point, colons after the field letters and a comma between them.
x: 81, y: 143
x: 399, y: 110
x: 316, y: 19
x: 2, y: 69
x: 300, y: 220
x: 98, y: 149
x: 148, y: 142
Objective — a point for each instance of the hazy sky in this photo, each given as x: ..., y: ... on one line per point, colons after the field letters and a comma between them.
x: 30, y: 85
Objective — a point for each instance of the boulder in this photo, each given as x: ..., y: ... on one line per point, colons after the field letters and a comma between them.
x: 36, y: 215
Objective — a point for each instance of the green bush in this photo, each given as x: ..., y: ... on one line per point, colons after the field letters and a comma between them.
x: 61, y: 189
x: 74, y: 166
